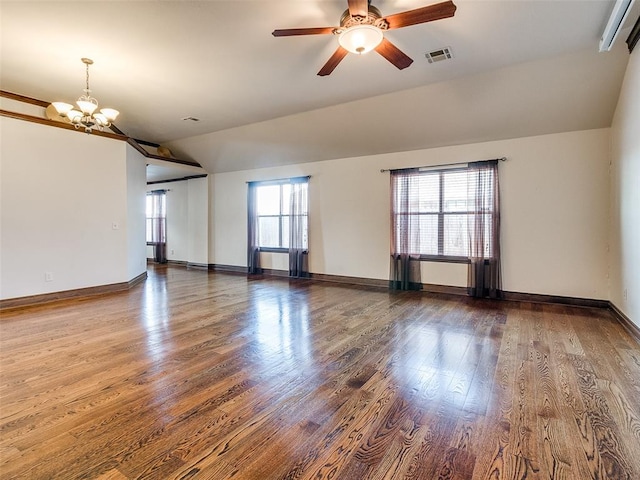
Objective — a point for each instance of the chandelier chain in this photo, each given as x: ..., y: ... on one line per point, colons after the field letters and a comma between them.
x: 87, y: 65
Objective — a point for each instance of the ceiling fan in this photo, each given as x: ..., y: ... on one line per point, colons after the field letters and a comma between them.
x: 361, y: 30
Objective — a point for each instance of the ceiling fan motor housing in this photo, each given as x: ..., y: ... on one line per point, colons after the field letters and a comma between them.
x: 374, y: 18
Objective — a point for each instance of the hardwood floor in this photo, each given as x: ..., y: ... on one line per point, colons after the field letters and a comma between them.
x: 214, y: 376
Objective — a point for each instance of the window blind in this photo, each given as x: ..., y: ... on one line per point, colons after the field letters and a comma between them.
x: 436, y: 211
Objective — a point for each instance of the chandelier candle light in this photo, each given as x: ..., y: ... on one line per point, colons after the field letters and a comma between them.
x: 87, y: 105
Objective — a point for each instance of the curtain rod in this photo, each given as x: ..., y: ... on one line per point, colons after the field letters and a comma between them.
x: 501, y: 159
x: 279, y: 179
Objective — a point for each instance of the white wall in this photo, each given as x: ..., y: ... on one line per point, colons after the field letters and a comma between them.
x: 198, y: 220
x: 625, y: 195
x: 61, y: 193
x: 555, y: 213
x: 136, y: 235
x: 187, y: 220
x: 177, y: 220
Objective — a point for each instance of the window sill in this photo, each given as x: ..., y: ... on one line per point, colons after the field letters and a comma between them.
x: 444, y: 259
x: 273, y: 250
x: 276, y: 250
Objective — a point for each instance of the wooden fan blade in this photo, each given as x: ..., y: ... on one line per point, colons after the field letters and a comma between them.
x: 358, y: 8
x: 289, y: 32
x: 333, y: 62
x: 422, y: 15
x: 392, y: 53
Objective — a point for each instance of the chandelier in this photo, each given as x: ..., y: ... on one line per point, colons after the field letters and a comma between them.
x: 87, y: 105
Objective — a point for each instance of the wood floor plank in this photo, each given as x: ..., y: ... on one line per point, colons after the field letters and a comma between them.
x: 491, y: 439
x: 617, y: 462
x: 195, y: 374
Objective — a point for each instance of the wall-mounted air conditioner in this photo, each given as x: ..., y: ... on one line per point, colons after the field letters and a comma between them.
x: 619, y: 14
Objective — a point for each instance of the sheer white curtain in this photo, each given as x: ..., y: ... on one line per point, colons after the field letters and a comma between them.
x: 405, y: 231
x: 484, y: 279
x: 298, y: 228
x: 157, y: 224
x: 253, y: 249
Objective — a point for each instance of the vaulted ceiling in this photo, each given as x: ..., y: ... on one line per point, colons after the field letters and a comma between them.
x: 520, y: 68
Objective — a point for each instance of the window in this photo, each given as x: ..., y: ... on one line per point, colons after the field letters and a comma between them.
x: 278, y: 220
x: 156, y: 212
x: 274, y: 216
x: 435, y: 212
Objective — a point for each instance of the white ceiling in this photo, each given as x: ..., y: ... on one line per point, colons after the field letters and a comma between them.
x: 160, y: 61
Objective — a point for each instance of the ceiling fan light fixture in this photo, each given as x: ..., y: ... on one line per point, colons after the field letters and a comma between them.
x: 360, y: 39
x: 362, y: 28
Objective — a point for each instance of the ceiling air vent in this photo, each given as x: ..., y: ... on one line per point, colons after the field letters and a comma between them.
x: 439, y: 55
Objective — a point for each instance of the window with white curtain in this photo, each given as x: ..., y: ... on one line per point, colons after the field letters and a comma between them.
x: 273, y: 211
x: 156, y: 214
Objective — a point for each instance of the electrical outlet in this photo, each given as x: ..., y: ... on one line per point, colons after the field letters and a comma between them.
x: 624, y: 294
x: 48, y: 277
x: 172, y: 252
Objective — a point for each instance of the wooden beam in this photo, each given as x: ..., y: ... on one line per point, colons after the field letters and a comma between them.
x: 118, y: 135
x: 52, y: 123
x: 24, y: 99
